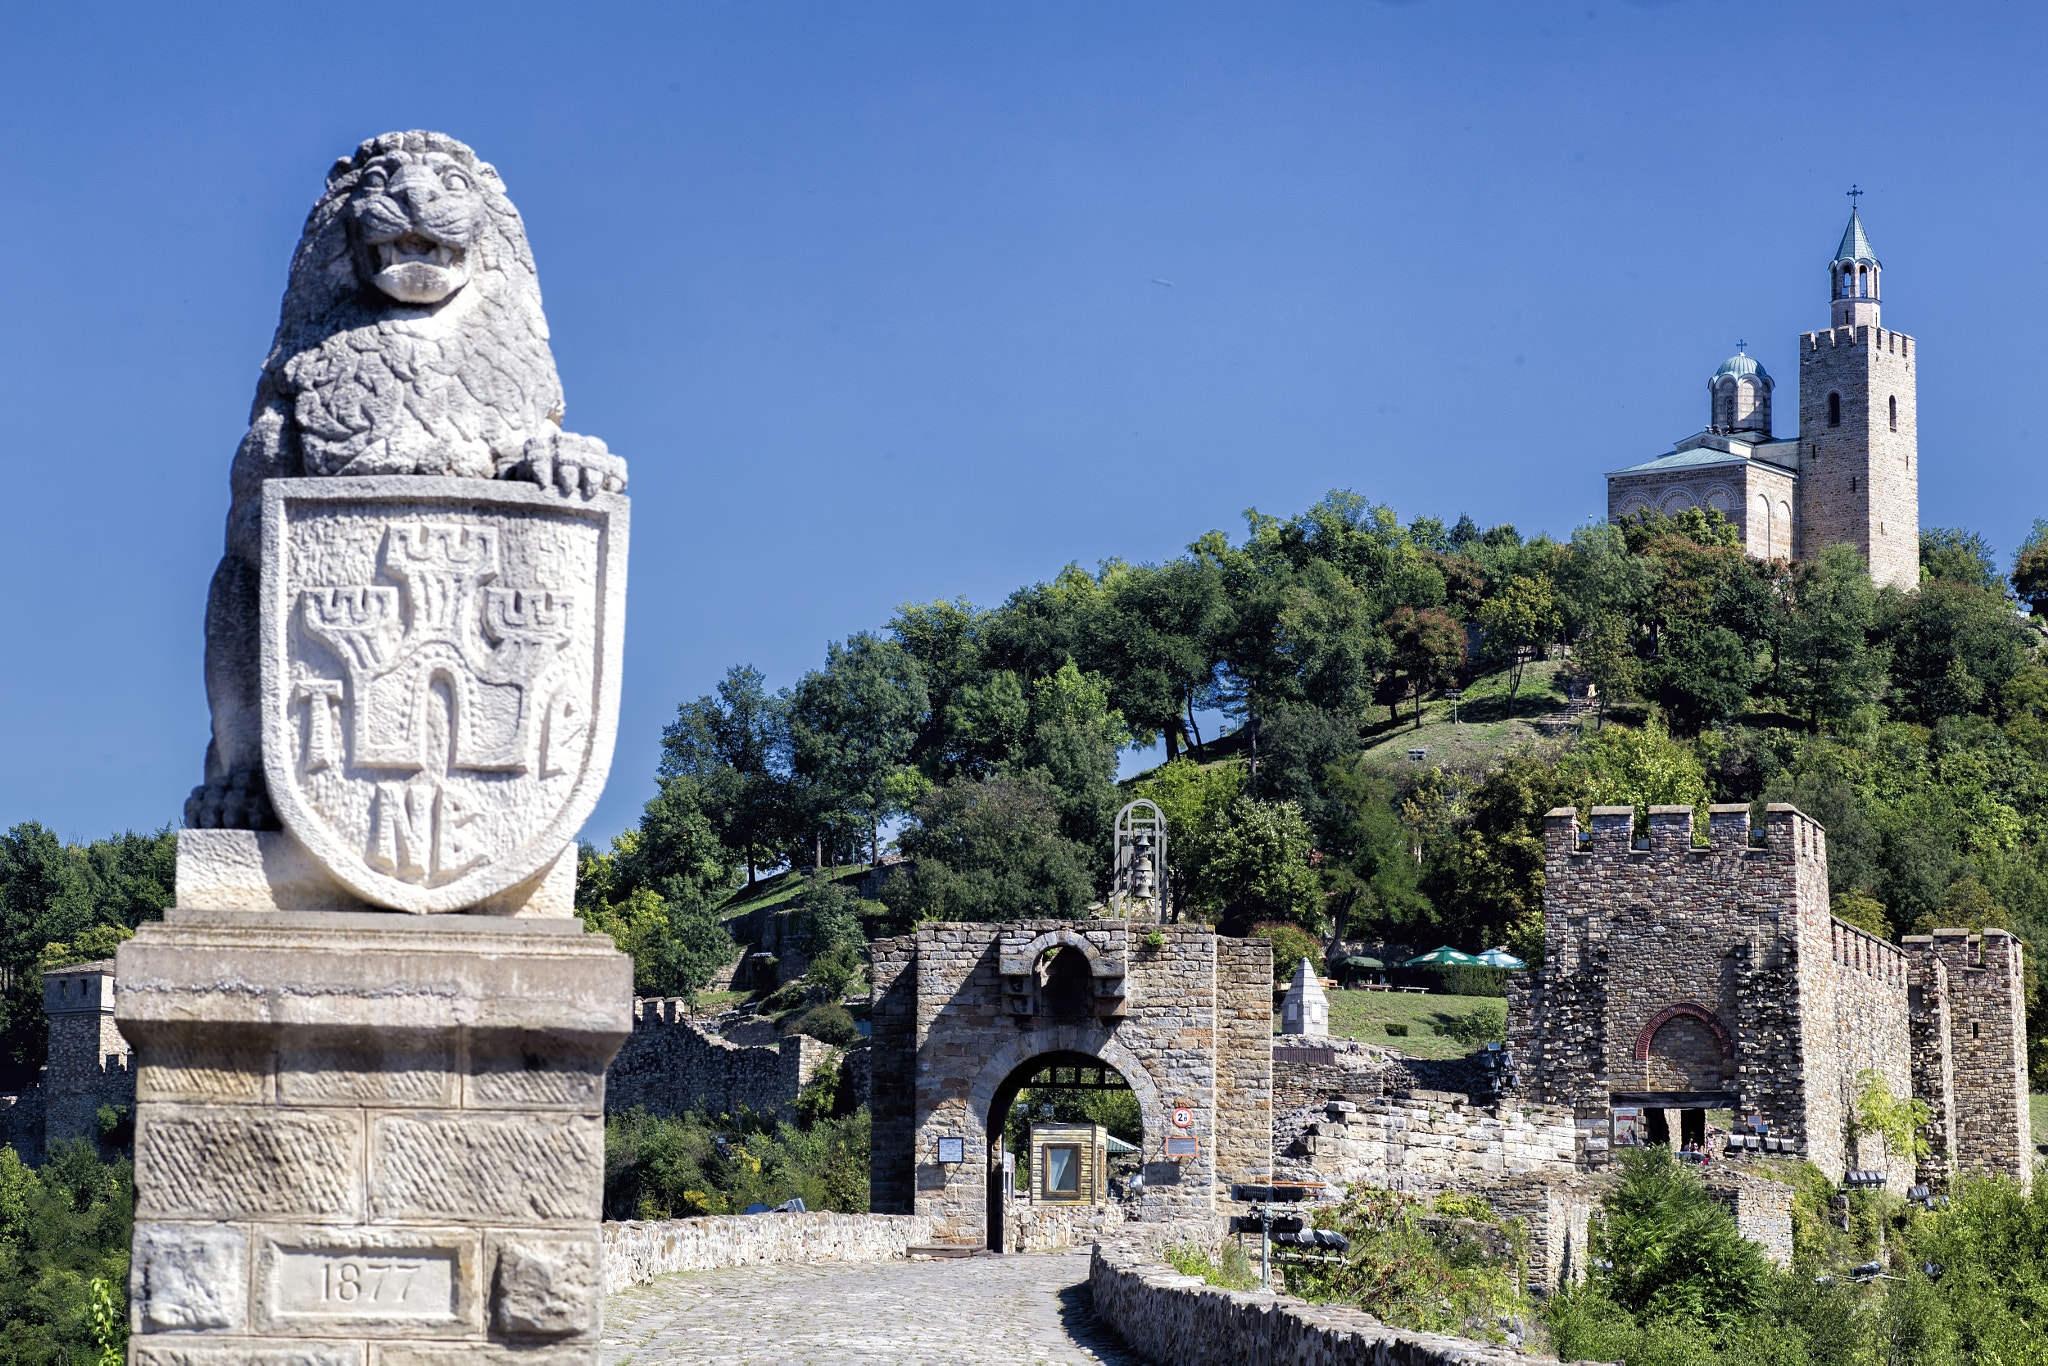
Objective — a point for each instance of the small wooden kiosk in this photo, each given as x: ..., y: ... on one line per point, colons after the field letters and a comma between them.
x: 1069, y: 1164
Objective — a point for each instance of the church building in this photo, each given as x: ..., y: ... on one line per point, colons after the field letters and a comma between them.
x: 1852, y: 472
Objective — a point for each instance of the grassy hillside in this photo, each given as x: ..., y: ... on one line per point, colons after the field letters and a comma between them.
x: 1364, y: 1015
x: 1483, y: 730
x: 772, y: 891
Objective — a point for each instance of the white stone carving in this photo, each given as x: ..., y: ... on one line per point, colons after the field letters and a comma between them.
x: 439, y: 677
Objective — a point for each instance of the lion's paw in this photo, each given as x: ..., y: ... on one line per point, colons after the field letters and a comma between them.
x: 239, y: 801
x: 572, y: 465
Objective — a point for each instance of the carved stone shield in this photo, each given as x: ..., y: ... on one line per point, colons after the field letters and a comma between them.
x: 440, y: 677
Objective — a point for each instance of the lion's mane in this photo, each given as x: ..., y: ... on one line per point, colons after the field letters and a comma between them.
x: 359, y: 383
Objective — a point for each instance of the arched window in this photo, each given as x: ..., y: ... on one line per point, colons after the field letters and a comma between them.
x: 1895, y: 412
x: 1834, y: 410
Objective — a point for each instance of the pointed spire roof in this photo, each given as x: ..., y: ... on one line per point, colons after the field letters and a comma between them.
x: 1855, y: 245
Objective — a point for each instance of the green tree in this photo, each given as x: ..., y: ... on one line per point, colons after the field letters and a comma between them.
x: 989, y: 850
x: 1194, y: 801
x: 1954, y: 648
x: 1486, y: 879
x: 1258, y: 867
x: 1957, y: 556
x: 1638, y: 768
x: 1517, y: 621
x: 1429, y: 649
x: 1831, y: 668
x: 2029, y: 576
x: 852, y: 726
x: 1369, y: 871
x: 1673, y: 1249
x: 731, y: 746
x: 1606, y: 652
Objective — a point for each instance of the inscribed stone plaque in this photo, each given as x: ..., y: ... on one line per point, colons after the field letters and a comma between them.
x: 440, y: 677
x: 376, y: 1281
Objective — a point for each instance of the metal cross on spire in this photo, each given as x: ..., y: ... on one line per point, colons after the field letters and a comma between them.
x: 1742, y: 347
x: 1854, y: 195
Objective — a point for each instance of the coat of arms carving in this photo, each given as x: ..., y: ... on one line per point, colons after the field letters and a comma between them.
x: 440, y: 682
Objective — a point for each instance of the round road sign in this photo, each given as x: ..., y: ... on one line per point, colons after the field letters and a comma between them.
x: 1183, y: 1117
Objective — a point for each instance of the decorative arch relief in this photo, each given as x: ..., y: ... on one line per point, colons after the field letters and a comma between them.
x: 1019, y: 967
x: 1688, y: 1009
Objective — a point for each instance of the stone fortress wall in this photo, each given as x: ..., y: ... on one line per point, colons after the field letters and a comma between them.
x: 1682, y: 976
x: 672, y: 1063
x: 89, y: 1064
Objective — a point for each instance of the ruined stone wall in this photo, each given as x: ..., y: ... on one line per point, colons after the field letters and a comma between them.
x: 1042, y: 1228
x: 1557, y: 1207
x: 89, y: 1064
x: 1762, y: 1207
x: 638, y: 1250
x: 1434, y: 1140
x: 893, y: 1076
x: 672, y: 1065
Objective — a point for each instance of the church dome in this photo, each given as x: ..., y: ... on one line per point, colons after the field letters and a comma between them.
x: 1739, y: 365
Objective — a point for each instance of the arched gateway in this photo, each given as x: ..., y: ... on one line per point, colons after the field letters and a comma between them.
x: 965, y: 1015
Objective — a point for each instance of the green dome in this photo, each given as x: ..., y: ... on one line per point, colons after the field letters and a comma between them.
x: 1740, y: 365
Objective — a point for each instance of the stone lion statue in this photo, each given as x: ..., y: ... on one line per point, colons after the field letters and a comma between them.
x: 411, y: 341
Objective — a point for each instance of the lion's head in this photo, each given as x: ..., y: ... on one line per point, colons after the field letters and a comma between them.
x: 412, y: 339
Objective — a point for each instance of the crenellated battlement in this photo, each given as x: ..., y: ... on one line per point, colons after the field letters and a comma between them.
x: 1861, y: 951
x: 1864, y: 337
x: 1787, y: 834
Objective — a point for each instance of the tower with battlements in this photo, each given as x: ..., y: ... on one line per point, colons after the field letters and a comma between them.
x: 1682, y: 976
x: 1852, y: 473
x: 1858, y: 427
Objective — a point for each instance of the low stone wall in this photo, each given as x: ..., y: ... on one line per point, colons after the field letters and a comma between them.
x: 1557, y: 1207
x: 1432, y: 1140
x: 1041, y: 1228
x: 1173, y: 1318
x: 637, y: 1250
x: 673, y: 1064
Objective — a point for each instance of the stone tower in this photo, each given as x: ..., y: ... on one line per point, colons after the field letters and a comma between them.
x: 1859, y: 463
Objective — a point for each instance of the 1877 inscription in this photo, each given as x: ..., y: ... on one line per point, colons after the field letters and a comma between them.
x: 383, y: 1283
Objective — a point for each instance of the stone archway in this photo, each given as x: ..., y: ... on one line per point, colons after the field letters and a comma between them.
x: 994, y: 1110
x: 1183, y: 1014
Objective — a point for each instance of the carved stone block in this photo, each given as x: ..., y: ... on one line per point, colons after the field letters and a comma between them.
x: 546, y: 1287
x: 224, y: 1162
x: 524, y: 1168
x: 187, y: 1276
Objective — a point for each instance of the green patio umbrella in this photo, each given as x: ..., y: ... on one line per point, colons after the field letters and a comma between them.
x: 1445, y: 957
x: 1357, y: 962
x: 1501, y: 958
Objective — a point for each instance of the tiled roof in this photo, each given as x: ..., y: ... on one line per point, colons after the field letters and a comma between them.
x: 1855, y: 246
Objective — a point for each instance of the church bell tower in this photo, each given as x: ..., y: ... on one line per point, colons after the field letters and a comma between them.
x: 1859, y: 476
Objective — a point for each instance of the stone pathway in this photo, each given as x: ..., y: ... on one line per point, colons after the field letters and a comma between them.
x: 1028, y: 1308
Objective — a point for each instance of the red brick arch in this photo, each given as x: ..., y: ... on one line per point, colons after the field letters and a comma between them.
x: 1697, y: 1012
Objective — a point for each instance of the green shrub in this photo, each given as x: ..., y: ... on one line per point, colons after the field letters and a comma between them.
x: 788, y: 996
x: 1153, y: 941
x: 1674, y: 1248
x: 1227, y: 1267
x: 1291, y: 944
x: 1399, y: 1031
x: 1479, y: 1026
x: 1437, y: 1277
x: 63, y: 1229
x: 672, y: 1166
x: 827, y: 1024
x: 1459, y: 980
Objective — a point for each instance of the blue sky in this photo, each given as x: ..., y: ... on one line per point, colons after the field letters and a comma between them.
x: 874, y: 298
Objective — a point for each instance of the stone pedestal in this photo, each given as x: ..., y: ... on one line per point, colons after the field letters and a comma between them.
x: 368, y: 1139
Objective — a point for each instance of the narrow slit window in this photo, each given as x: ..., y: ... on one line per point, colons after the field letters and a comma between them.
x: 1834, y: 410
x: 1895, y: 412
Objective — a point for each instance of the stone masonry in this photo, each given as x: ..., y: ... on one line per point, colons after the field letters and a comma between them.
x: 1682, y: 976
x: 89, y: 1064
x: 964, y: 1014
x: 672, y: 1064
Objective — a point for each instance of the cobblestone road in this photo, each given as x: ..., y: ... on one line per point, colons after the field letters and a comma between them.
x: 1030, y: 1308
